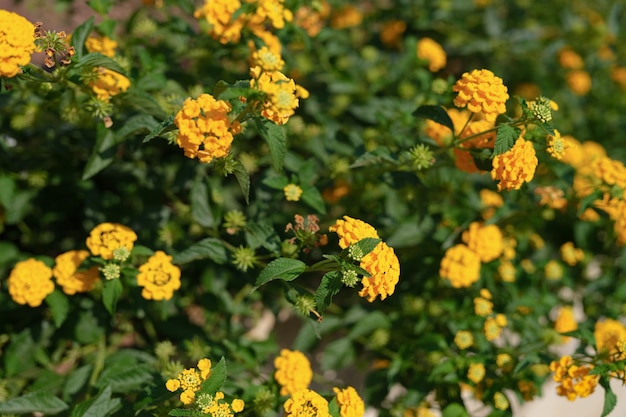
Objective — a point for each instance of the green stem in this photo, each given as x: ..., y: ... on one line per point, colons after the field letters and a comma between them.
x: 101, y: 354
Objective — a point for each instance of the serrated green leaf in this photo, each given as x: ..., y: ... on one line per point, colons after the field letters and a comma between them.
x: 103, y: 152
x: 261, y: 233
x: 59, y: 306
x: 373, y: 321
x: 111, y: 292
x: 136, y: 124
x: 312, y: 198
x: 19, y: 356
x: 209, y: 248
x: 610, y: 399
x: 7, y: 190
x: 243, y: 178
x: 215, y: 381
x: 376, y: 157
x: 33, y: 402
x: 505, y: 139
x: 277, y: 182
x: 80, y: 34
x: 101, y: 405
x: 333, y: 408
x: 435, y: 113
x: 181, y: 412
x: 76, y: 380
x: 200, y: 207
x: 140, y: 250
x: 455, y: 410
x: 142, y: 101
x: 367, y: 244
x: 124, y: 378
x: 274, y: 135
x: 95, y: 60
x: 166, y: 125
x: 286, y: 269
x: 329, y: 287
x: 338, y: 354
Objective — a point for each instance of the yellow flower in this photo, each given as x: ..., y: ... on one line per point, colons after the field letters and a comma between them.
x: 292, y: 192
x: 556, y: 145
x: 460, y: 265
x: 609, y: 335
x: 190, y: 381
x: 158, y: 277
x: 476, y: 372
x: 507, y: 271
x: 463, y: 339
x: 575, y: 381
x: 481, y: 91
x: 17, y: 43
x: 431, y: 51
x: 516, y: 166
x: 293, y: 371
x: 571, y: 254
x: 553, y: 270
x: 491, y: 329
x: 490, y: 201
x: 102, y: 44
x: 485, y: 240
x: 391, y: 33
x: 552, y: 197
x: 109, y: 83
x: 306, y: 403
x: 281, y: 94
x: 205, y: 130
x: 500, y: 401
x: 350, y: 231
x: 311, y: 18
x: 482, y: 306
x: 565, y: 322
x: 579, y: 81
x: 569, y: 59
x: 219, y: 16
x: 346, y: 17
x: 30, y: 282
x: 350, y: 403
x: 442, y: 134
x: 504, y: 361
x: 267, y: 60
x: 107, y: 237
x: 384, y: 268
x: 237, y: 405
x: 66, y: 274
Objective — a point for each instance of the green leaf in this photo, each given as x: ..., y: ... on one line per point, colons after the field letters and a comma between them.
x: 455, y: 410
x: 80, y: 34
x: 338, y: 354
x: 274, y: 135
x: 100, y: 6
x: 94, y: 60
x: 102, y: 154
x: 333, y: 408
x: 124, y: 377
x: 33, y: 402
x: 435, y: 113
x: 143, y: 102
x: 140, y: 250
x: 505, y: 139
x: 610, y: 399
x: 588, y: 201
x: 367, y: 244
x: 59, y: 306
x: 329, y: 287
x: 243, y: 178
x: 200, y: 208
x: 277, y: 182
x: 19, y: 356
x: 111, y: 293
x: 312, y: 197
x: 210, y: 248
x: 378, y: 156
x: 135, y: 124
x: 7, y: 190
x: 100, y: 406
x: 76, y: 380
x: 373, y: 321
x: 181, y: 412
x: 286, y: 269
x: 166, y: 125
x: 261, y: 233
x: 215, y: 381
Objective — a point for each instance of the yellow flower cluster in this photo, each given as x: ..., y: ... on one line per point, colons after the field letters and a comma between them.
x: 440, y: 133
x: 158, y: 277
x: 346, y: 17
x: 553, y: 270
x: 500, y: 401
x: 210, y: 405
x: 569, y: 59
x: 556, y: 146
x: 30, y: 282
x: 460, y: 265
x: 204, y: 128
x: 382, y: 263
x: 306, y: 403
x: 108, y: 83
x: 107, y: 237
x: 492, y: 327
x: 281, y: 94
x: 579, y: 81
x: 17, y: 43
x: 575, y: 381
x: 571, y: 254
x: 267, y: 60
x: 483, y: 306
x: 565, y: 322
x: 311, y: 18
x: 476, y: 372
x: 489, y: 202
x: 552, y: 197
x: 431, y: 51
x: 516, y: 166
x: 349, y: 401
x: 482, y: 92
x: 292, y: 192
x: 391, y: 33
x: 463, y: 339
x: 610, y: 335
x: 103, y: 44
x: 293, y: 371
x: 485, y: 240
x: 190, y: 381
x: 68, y: 276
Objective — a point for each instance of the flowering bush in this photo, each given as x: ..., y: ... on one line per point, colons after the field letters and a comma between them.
x: 394, y: 206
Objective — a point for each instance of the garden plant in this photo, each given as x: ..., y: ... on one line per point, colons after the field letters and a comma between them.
x: 312, y: 208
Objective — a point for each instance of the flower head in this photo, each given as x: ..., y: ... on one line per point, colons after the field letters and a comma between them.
x: 293, y: 371
x: 516, y: 166
x: 571, y: 254
x: 292, y: 192
x: 579, y: 81
x: 219, y: 14
x: 17, y: 43
x: 485, y: 240
x: 108, y: 83
x: 67, y: 275
x: 106, y: 237
x: 463, y: 339
x: 565, y: 321
x: 267, y: 60
x: 431, y: 51
x: 281, y: 94
x: 190, y: 381
x: 204, y: 128
x: 574, y: 380
x: 103, y: 44
x: 476, y: 372
x: 351, y: 230
x: 306, y: 403
x: 609, y: 335
x: 350, y: 403
x: 500, y: 401
x: 30, y: 282
x: 384, y: 268
x: 481, y: 91
x: 460, y: 265
x: 158, y: 277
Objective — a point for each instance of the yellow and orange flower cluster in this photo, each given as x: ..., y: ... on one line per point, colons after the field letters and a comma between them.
x: 205, y: 130
x: 610, y: 338
x: 485, y: 240
x: 482, y: 92
x: 108, y: 83
x: 574, y: 380
x: 103, y: 44
x: 306, y: 403
x: 382, y: 263
x: 312, y: 18
x: 105, y: 238
x: 158, y: 277
x: 68, y: 276
x: 565, y: 322
x: 516, y: 166
x: 578, y: 80
x: 293, y: 371
x: 431, y: 51
x: 17, y: 43
x: 281, y: 94
x: 30, y: 282
x: 190, y: 381
x: 349, y: 401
